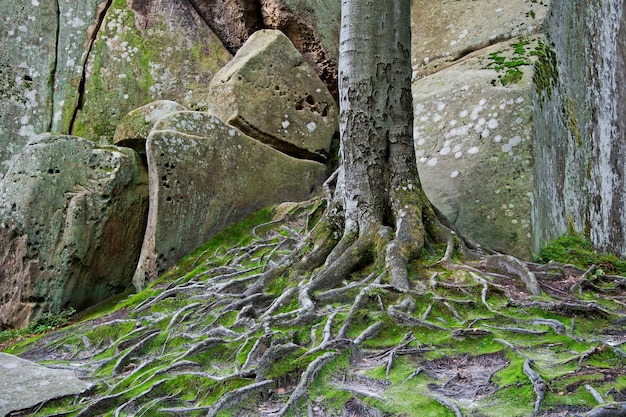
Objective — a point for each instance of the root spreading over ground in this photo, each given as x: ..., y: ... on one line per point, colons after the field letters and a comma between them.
x: 245, y: 329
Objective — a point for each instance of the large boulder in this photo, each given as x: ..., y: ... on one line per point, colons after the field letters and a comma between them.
x: 145, y: 51
x: 473, y: 139
x: 473, y: 114
x: 24, y: 384
x: 205, y: 175
x: 72, y: 218
x: 270, y: 93
x: 580, y: 120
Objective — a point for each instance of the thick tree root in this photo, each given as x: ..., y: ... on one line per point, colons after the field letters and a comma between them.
x: 261, y: 321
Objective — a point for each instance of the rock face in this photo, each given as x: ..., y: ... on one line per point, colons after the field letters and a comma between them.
x: 473, y: 115
x: 299, y: 115
x: 146, y: 51
x: 25, y: 384
x: 473, y: 140
x: 205, y: 175
x: 580, y: 120
x: 71, y: 219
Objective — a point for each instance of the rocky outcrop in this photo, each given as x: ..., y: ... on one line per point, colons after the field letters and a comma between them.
x: 205, y: 175
x: 134, y: 128
x: 25, y: 384
x: 473, y: 140
x: 473, y: 115
x: 580, y: 123
x: 145, y: 51
x: 71, y: 220
x: 445, y: 31
x: 299, y: 115
x: 40, y: 67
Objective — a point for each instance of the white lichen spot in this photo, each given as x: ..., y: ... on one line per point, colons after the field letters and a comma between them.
x: 232, y: 133
x: 432, y: 162
x: 441, y: 106
x: 22, y: 28
x: 465, y: 87
x: 126, y: 96
x: 473, y: 150
x: 492, y: 124
x: 121, y: 76
x: 445, y: 150
x: 419, y: 108
x: 421, y: 142
x: 497, y: 138
x: 463, y: 113
x: 507, y: 147
x: 436, y: 117
x: 311, y: 126
x: 454, y: 174
x: 453, y: 123
x: 419, y: 153
x: 485, y: 133
x: 520, y: 100
x: 35, y: 3
x: 515, y: 140
x: 285, y: 124
x: 458, y: 155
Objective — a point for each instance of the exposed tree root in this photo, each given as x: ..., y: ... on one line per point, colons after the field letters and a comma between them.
x: 539, y: 385
x: 276, y: 304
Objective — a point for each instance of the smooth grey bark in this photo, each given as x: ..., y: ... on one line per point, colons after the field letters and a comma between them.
x: 378, y: 183
x: 376, y: 120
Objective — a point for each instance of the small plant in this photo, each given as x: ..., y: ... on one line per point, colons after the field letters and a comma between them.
x: 43, y: 323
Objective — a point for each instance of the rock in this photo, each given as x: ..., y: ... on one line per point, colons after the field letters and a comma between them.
x: 313, y: 27
x: 232, y: 20
x: 580, y: 120
x: 473, y: 140
x: 72, y: 218
x: 299, y: 116
x: 24, y: 384
x: 445, y: 31
x: 134, y: 128
x: 205, y: 175
x: 146, y: 51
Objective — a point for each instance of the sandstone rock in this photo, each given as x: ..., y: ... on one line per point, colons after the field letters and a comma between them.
x: 268, y: 92
x: 25, y: 384
x: 473, y: 139
x: 205, y: 175
x: 444, y: 31
x: 72, y: 218
x: 580, y: 120
x: 143, y: 52
x: 41, y: 62
x: 134, y: 128
x: 232, y: 20
x: 313, y: 27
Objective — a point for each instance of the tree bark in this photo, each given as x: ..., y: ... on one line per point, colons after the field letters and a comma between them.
x: 378, y: 183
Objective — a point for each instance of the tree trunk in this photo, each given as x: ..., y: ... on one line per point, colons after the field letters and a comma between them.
x: 378, y: 184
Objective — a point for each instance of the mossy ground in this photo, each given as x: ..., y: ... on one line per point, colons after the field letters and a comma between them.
x: 196, y: 339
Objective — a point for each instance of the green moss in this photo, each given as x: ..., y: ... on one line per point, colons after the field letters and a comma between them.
x: 572, y: 121
x: 546, y: 73
x: 576, y: 250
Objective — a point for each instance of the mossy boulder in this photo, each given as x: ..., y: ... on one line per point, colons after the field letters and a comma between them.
x: 145, y: 52
x: 205, y: 175
x: 72, y: 219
